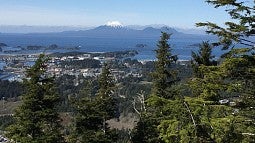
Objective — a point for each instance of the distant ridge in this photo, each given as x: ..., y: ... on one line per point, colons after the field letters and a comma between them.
x: 25, y: 29
x: 115, y: 31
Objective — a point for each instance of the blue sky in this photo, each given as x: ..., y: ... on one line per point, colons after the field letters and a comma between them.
x: 176, y: 13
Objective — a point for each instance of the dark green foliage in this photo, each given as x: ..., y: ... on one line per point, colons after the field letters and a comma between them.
x: 162, y: 76
x: 123, y: 136
x: 164, y: 79
x: 88, y: 90
x: 10, y: 89
x: 107, y: 101
x: 146, y: 131
x: 129, y: 91
x: 210, y: 85
x: 67, y: 88
x: 234, y: 78
x: 5, y: 121
x: 91, y: 126
x: 94, y: 111
x: 106, y: 83
x: 203, y: 57
x: 201, y: 118
x: 37, y: 120
x: 79, y: 64
x: 117, y: 54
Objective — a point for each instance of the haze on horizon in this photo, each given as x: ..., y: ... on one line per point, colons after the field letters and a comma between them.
x: 87, y: 13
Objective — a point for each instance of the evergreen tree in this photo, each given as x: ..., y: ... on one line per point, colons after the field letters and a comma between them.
x: 106, y: 83
x: 94, y: 111
x: 231, y: 121
x: 37, y: 120
x: 203, y: 57
x: 203, y: 118
x: 163, y: 77
x: 235, y: 75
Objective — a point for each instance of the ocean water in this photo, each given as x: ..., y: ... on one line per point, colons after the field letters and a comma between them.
x: 182, y: 46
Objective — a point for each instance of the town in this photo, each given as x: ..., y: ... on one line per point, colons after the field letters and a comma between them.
x: 86, y: 64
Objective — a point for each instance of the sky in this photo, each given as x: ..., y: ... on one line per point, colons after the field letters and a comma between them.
x: 175, y: 13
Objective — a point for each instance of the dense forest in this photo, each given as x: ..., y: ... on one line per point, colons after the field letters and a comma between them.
x: 208, y: 100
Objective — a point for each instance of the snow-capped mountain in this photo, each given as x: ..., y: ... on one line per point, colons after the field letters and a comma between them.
x: 116, y: 30
x: 114, y: 24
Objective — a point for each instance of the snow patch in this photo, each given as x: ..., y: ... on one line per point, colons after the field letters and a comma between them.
x: 114, y: 24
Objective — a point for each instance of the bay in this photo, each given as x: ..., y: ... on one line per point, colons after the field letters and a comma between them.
x: 182, y: 46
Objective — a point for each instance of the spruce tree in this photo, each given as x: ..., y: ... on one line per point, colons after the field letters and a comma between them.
x: 37, y: 120
x: 163, y: 77
x: 107, y: 102
x: 93, y: 111
x: 236, y: 72
x: 202, y: 57
x: 202, y: 118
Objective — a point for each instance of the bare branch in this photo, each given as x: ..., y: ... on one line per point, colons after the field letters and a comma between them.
x: 135, y: 108
x: 190, y: 113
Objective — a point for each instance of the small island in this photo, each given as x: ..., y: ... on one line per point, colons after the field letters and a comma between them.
x: 141, y: 45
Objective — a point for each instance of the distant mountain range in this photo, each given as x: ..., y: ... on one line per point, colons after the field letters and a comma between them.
x: 22, y: 29
x: 118, y: 32
x: 106, y: 31
x: 101, y: 36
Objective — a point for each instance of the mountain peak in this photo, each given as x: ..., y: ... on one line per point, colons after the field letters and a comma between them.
x: 115, y: 24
